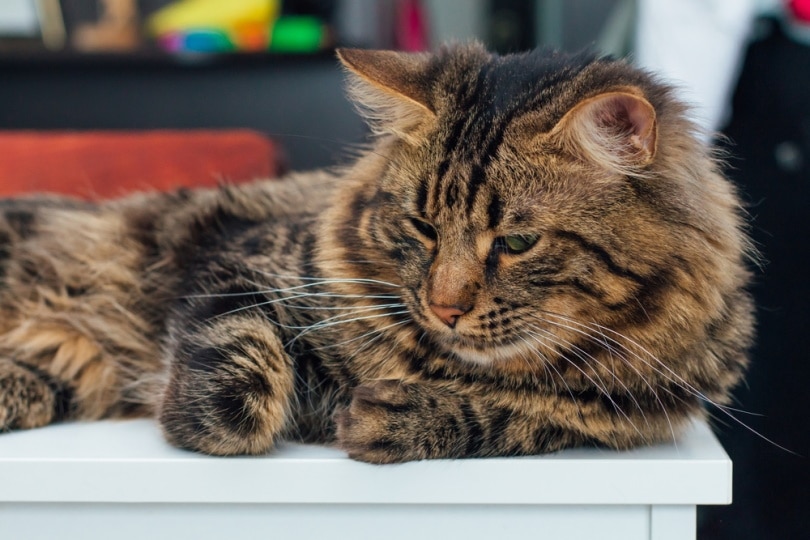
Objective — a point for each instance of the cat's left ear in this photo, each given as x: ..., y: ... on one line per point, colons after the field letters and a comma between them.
x: 393, y: 89
x: 617, y: 130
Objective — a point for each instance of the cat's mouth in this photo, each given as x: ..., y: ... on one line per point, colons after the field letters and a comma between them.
x: 490, y: 355
x: 468, y: 341
x: 480, y: 350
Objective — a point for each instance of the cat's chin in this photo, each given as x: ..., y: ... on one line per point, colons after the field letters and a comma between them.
x: 489, y: 356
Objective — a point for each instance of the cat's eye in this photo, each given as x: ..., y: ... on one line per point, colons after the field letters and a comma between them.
x: 425, y: 229
x: 516, y: 243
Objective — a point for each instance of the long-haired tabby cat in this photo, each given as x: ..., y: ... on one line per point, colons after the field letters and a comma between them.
x: 536, y: 253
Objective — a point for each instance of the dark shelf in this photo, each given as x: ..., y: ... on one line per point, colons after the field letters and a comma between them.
x: 298, y: 99
x: 151, y: 57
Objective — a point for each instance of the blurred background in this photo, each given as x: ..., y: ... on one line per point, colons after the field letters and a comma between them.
x: 84, y: 65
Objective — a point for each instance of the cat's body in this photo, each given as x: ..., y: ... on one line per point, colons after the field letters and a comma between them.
x: 537, y: 253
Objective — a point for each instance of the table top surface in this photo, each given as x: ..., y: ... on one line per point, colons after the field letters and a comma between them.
x: 128, y: 461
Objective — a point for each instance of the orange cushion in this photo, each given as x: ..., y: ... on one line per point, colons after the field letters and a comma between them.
x: 100, y: 164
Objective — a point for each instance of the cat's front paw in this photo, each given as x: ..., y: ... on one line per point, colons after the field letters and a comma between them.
x: 391, y: 421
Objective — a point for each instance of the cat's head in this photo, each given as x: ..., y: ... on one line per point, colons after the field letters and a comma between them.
x: 529, y: 200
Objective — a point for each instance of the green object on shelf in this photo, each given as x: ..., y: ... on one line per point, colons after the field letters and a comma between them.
x: 297, y: 34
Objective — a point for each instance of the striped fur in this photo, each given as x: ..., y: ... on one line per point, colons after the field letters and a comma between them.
x: 536, y: 253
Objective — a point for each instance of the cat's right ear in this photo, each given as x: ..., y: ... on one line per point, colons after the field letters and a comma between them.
x: 392, y: 89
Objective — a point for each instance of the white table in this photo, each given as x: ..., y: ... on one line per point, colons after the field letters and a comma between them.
x: 121, y: 481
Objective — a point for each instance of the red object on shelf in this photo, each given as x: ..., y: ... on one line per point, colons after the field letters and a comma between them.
x: 800, y: 9
x: 411, y: 33
x: 103, y: 164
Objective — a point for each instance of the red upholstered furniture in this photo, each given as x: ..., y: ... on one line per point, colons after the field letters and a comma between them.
x: 103, y: 164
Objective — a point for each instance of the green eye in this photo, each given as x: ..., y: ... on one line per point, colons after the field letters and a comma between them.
x: 518, y: 243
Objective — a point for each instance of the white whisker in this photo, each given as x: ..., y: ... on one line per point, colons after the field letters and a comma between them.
x: 668, y: 374
x: 579, y: 352
x: 372, y: 332
x: 333, y: 321
x: 321, y: 280
x: 602, y: 389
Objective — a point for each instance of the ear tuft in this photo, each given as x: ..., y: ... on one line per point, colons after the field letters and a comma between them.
x: 617, y: 130
x: 391, y: 89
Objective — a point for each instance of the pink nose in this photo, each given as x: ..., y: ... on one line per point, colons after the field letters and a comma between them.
x: 449, y: 314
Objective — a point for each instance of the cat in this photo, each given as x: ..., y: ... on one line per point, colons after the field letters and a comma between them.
x: 535, y: 252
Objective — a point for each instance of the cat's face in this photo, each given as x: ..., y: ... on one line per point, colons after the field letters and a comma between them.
x: 484, y: 251
x: 525, y: 207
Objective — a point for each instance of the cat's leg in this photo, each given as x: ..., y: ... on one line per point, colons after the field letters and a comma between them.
x: 29, y: 397
x: 230, y: 388
x: 392, y: 421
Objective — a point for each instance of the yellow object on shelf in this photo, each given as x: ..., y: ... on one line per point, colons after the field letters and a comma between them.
x: 213, y: 14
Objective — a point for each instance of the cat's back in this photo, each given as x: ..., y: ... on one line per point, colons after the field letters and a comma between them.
x: 85, y: 288
x: 56, y: 240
